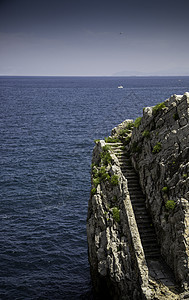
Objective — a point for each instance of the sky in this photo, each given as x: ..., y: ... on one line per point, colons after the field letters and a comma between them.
x: 94, y: 38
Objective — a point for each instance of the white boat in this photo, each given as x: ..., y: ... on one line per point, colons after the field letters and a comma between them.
x: 120, y: 87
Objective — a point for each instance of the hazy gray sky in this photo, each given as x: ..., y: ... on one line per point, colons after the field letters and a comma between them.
x: 82, y: 38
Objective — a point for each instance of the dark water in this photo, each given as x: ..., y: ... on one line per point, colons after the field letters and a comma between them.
x: 47, y: 130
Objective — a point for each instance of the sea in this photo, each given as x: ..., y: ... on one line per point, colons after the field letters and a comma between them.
x: 47, y: 130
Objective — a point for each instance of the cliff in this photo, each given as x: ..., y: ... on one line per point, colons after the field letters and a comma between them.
x: 138, y: 212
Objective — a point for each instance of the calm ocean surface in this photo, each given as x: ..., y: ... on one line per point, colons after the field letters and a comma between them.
x: 48, y: 125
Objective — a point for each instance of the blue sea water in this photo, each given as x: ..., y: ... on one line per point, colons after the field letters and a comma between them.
x: 47, y: 129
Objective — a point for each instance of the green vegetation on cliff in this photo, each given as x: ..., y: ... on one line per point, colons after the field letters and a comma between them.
x: 158, y: 107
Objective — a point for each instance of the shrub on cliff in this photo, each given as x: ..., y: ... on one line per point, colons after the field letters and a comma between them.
x: 130, y: 126
x: 100, y: 175
x: 165, y: 189
x: 135, y: 148
x: 111, y: 140
x: 127, y: 140
x: 116, y: 214
x: 137, y: 122
x: 96, y: 181
x: 105, y: 156
x: 93, y: 191
x: 156, y: 148
x: 158, y: 107
x: 103, y: 175
x: 170, y: 205
x: 146, y: 133
x: 114, y: 180
x: 124, y: 132
x: 185, y: 175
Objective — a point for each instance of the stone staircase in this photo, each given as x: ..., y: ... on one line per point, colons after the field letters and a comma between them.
x: 143, y: 220
x: 158, y: 269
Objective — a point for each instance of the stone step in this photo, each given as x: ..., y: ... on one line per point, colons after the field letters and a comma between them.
x: 132, y: 176
x: 135, y: 188
x: 128, y: 172
x: 125, y: 168
x: 132, y: 180
x: 148, y: 232
x: 137, y: 205
x: 135, y: 194
x: 124, y: 157
x: 126, y: 162
x: 149, y: 243
x: 118, y: 150
x: 153, y: 255
x: 149, y: 239
x: 119, y: 153
x: 144, y: 224
x: 140, y: 209
x: 133, y: 184
x: 139, y: 214
x: 151, y: 250
x: 137, y: 199
x: 117, y: 143
x: 142, y: 217
x: 154, y: 250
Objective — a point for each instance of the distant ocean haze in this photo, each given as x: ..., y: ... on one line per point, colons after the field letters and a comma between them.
x: 48, y: 125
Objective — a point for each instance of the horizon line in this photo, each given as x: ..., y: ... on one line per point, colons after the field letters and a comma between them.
x: 1, y: 75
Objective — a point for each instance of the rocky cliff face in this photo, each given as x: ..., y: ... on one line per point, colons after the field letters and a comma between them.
x: 158, y: 147
x: 114, y: 268
x: 160, y: 154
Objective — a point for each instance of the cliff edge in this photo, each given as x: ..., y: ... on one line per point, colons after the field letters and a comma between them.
x: 138, y: 212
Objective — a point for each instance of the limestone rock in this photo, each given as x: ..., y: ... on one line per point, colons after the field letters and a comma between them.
x: 164, y: 176
x: 159, y: 151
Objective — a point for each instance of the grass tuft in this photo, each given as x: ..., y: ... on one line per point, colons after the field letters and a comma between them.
x: 158, y: 107
x: 156, y: 148
x: 116, y: 214
x: 137, y: 122
x: 170, y: 205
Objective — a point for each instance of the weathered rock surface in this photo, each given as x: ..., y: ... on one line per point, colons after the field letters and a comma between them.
x: 164, y: 176
x: 159, y: 149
